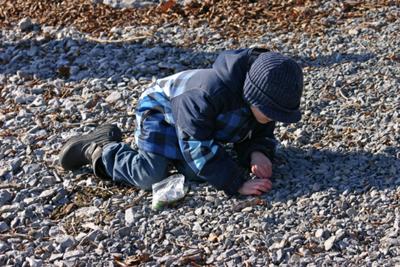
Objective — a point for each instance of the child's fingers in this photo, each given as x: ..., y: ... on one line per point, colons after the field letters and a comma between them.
x: 257, y: 171
x: 264, y: 172
x: 267, y: 171
x: 254, y: 191
x: 257, y: 192
x: 261, y: 171
x: 262, y: 184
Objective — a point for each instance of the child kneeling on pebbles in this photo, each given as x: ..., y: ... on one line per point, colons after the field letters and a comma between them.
x: 183, y: 119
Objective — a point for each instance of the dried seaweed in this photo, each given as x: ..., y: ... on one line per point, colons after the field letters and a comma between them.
x: 232, y: 19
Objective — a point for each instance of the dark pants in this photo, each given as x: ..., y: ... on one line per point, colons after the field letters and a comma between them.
x: 139, y: 168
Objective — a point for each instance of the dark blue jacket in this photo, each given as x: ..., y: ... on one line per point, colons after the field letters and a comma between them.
x: 188, y: 116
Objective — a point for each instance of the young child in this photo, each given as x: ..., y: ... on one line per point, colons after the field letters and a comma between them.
x: 183, y: 119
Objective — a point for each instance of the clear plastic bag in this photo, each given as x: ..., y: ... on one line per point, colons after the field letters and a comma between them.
x: 168, y: 191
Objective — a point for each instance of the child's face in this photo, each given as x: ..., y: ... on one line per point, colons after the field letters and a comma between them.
x: 260, y: 117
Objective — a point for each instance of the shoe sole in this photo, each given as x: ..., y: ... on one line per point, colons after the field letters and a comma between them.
x: 73, y: 148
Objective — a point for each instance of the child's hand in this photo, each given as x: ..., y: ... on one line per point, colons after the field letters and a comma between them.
x: 255, y: 187
x: 261, y: 166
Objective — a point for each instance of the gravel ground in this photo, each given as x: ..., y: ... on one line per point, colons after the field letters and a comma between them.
x: 336, y: 194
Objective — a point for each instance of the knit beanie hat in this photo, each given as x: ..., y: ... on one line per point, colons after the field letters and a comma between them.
x: 274, y: 84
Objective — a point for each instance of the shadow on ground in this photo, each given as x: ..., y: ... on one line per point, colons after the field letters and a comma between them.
x: 335, y: 59
x: 300, y: 172
x: 71, y: 59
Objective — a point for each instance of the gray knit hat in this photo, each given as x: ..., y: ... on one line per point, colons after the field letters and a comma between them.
x: 274, y: 85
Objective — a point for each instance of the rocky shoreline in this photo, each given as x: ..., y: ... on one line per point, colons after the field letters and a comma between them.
x: 336, y: 179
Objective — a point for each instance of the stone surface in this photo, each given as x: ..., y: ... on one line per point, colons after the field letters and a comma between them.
x: 25, y: 24
x: 5, y: 196
x: 328, y: 244
x: 336, y: 172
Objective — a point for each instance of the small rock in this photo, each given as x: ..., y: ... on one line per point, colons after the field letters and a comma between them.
x: 25, y: 24
x: 198, y: 211
x: 73, y: 254
x: 30, y: 169
x: 340, y: 233
x: 56, y: 256
x: 129, y: 216
x: 353, y: 31
x: 320, y: 233
x: 65, y: 242
x: 328, y: 244
x: 34, y: 262
x: 4, y: 247
x: 48, y: 180
x: 247, y: 209
x: 4, y: 227
x: 55, y: 230
x: 47, y: 193
x: 351, y: 212
x: 86, y: 211
x: 124, y: 231
x: 212, y: 237
x: 279, y: 255
x: 197, y: 227
x: 5, y: 196
x: 113, y: 97
x: 16, y: 165
x: 97, y: 202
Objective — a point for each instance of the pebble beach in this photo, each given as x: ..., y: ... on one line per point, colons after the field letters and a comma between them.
x: 69, y: 66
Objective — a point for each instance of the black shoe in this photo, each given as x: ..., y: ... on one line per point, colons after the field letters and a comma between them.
x: 87, y: 149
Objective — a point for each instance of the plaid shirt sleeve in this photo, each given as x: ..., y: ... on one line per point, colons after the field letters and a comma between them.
x: 211, y: 163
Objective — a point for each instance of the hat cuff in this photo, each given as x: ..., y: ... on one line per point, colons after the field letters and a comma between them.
x: 281, y: 116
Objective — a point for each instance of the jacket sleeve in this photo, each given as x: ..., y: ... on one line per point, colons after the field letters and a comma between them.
x: 194, y: 115
x: 262, y: 139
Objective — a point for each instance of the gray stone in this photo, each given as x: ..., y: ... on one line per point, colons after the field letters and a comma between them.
x: 16, y: 165
x: 124, y: 231
x: 4, y: 227
x: 198, y: 211
x: 25, y: 24
x: 72, y: 254
x: 328, y: 244
x: 340, y: 233
x: 4, y: 247
x: 3, y: 260
x: 86, y: 211
x: 5, y: 196
x: 197, y: 227
x: 54, y: 231
x: 129, y: 216
x: 48, y: 193
x: 95, y: 235
x: 34, y: 262
x: 351, y: 212
x: 24, y: 99
x: 31, y: 168
x: 65, y: 242
x: 48, y: 180
x: 56, y: 256
x: 320, y: 233
x: 113, y: 97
